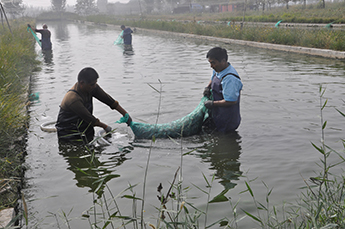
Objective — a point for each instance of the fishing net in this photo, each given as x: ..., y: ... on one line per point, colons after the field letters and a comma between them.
x: 190, y: 124
x: 35, y: 36
x: 119, y: 39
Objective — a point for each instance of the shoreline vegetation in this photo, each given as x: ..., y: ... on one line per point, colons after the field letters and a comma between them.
x: 17, y: 61
x: 323, y: 28
x: 323, y: 202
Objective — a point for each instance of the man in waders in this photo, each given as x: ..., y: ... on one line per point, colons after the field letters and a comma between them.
x: 225, y: 88
x: 75, y: 122
x: 127, y: 37
x: 45, y: 38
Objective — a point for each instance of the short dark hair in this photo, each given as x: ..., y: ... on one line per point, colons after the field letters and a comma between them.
x: 122, y: 26
x: 217, y: 53
x: 87, y: 75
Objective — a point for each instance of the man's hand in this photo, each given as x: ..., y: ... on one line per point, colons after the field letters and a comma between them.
x: 207, y: 92
x: 129, y: 121
x: 208, y: 104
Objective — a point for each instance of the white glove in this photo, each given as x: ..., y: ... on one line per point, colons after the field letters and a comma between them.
x: 107, y: 129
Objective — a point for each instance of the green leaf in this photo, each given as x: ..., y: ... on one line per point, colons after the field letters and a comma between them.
x: 340, y: 112
x: 153, y: 88
x: 324, y: 104
x: 109, y: 220
x: 220, y: 197
x: 324, y: 125
x: 189, y: 152
x: 200, y: 189
x: 318, y: 211
x: 252, y: 216
x: 208, y: 184
x: 131, y: 197
x: 124, y: 217
x: 223, y: 223
x: 319, y: 149
x: 249, y: 189
x: 262, y: 207
x: 173, y: 140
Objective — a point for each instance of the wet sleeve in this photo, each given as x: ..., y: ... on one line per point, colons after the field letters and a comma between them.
x: 231, y: 88
x: 104, y: 97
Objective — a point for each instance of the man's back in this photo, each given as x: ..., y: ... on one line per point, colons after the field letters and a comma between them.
x: 127, y: 36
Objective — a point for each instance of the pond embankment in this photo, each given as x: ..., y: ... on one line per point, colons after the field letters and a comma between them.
x: 327, y: 53
x: 18, y: 61
x: 286, y: 48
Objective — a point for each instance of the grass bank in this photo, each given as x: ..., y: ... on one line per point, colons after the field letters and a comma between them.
x: 312, y: 38
x: 217, y: 24
x: 333, y: 12
x: 17, y: 61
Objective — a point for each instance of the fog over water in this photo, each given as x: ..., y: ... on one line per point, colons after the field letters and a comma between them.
x: 47, y: 3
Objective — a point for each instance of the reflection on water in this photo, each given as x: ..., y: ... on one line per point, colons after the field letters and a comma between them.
x: 48, y: 57
x: 61, y: 31
x: 127, y: 49
x: 222, y: 153
x: 89, y: 170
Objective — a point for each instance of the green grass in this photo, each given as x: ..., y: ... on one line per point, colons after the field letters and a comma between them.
x: 17, y: 60
x: 312, y: 38
x: 216, y: 24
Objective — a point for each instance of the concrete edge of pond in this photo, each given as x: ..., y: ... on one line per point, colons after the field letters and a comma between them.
x: 286, y: 48
x: 6, y: 216
x: 328, y: 53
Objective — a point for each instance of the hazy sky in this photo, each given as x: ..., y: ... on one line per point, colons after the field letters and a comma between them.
x: 47, y: 3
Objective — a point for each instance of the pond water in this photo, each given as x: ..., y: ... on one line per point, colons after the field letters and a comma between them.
x: 280, y: 108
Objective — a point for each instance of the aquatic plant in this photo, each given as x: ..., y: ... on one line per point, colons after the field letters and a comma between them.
x: 321, y: 205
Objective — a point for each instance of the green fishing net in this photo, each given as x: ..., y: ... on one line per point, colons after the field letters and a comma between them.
x: 119, y: 39
x: 190, y: 124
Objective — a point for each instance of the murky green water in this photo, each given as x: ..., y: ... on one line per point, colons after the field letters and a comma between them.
x: 280, y: 118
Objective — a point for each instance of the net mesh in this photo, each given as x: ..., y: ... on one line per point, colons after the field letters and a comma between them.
x: 119, y: 39
x: 190, y: 124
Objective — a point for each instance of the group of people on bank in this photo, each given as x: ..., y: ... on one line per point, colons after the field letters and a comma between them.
x: 76, y: 121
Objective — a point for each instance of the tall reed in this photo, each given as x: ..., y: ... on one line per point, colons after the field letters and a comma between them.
x: 17, y: 61
x: 322, y: 205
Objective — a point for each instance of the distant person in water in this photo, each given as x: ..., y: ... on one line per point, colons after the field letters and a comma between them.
x: 45, y: 37
x: 127, y: 37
